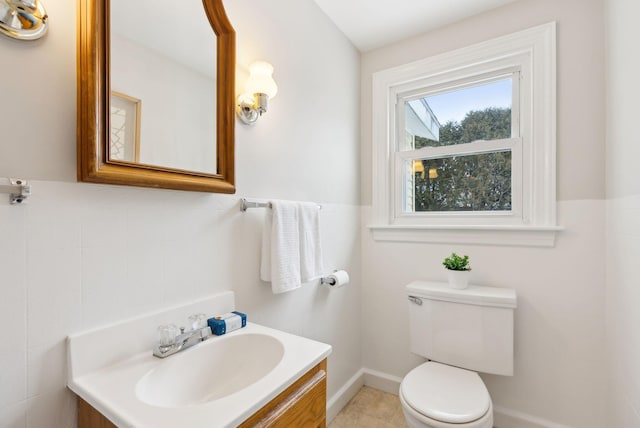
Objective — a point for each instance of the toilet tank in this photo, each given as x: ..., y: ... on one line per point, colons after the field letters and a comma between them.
x: 470, y: 328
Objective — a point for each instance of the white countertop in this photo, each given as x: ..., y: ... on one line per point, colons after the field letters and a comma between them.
x: 109, y: 384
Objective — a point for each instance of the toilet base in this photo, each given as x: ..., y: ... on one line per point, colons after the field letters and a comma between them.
x: 418, y: 420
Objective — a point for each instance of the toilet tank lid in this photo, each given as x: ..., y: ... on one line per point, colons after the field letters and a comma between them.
x: 472, y: 295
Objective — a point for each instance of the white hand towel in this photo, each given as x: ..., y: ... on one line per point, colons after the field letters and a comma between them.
x: 285, y: 247
x: 265, y: 259
x: 311, y: 265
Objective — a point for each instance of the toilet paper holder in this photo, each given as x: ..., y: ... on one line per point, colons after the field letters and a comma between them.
x: 328, y: 280
x: 337, y: 279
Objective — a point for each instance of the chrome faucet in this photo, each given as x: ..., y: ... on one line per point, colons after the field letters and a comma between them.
x: 171, y: 342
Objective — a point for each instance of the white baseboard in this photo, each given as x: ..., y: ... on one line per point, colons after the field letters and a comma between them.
x: 382, y: 381
x: 344, y: 394
x: 502, y: 417
x: 372, y: 378
x: 507, y: 418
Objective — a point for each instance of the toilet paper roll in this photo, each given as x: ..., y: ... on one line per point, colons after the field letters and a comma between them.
x: 338, y: 279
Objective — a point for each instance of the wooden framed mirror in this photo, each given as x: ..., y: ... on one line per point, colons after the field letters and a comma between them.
x: 101, y: 162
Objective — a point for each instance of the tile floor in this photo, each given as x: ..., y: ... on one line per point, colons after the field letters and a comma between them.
x: 370, y: 408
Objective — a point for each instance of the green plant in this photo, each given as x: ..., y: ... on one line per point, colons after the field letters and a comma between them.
x: 455, y: 262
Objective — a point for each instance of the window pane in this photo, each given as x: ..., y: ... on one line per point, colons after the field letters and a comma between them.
x: 480, y: 182
x: 480, y: 112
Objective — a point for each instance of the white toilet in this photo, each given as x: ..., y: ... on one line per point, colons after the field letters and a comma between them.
x: 461, y: 332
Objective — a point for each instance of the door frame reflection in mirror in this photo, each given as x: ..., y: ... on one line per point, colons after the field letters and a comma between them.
x: 93, y: 128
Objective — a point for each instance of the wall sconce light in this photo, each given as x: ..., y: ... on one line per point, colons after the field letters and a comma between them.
x: 23, y: 19
x: 260, y: 87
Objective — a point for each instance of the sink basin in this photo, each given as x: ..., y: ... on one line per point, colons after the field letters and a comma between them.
x: 210, y: 371
x: 221, y: 382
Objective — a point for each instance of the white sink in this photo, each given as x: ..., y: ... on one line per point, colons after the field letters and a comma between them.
x: 215, y: 369
x: 220, y: 382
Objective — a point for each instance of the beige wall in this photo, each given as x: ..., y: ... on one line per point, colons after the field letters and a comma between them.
x: 559, y: 378
x: 580, y: 77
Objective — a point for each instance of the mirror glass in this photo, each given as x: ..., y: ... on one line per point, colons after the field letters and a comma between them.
x: 156, y: 94
x: 163, y: 80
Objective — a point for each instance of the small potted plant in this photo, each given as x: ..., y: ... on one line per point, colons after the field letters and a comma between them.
x: 458, y: 269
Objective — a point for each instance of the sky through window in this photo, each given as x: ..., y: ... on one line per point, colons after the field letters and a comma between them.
x: 454, y: 105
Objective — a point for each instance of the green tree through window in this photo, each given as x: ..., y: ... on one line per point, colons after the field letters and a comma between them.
x: 476, y: 182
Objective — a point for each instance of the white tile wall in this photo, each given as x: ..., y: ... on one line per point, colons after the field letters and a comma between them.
x: 70, y: 266
x: 13, y: 313
x: 623, y: 317
x: 14, y: 416
x: 69, y: 274
x: 13, y: 375
x: 329, y: 315
x: 54, y: 293
x: 52, y: 409
x: 46, y: 368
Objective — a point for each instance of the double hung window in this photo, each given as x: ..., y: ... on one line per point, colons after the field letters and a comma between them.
x: 459, y: 149
x: 468, y: 143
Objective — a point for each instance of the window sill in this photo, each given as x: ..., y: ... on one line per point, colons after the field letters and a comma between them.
x: 520, y: 236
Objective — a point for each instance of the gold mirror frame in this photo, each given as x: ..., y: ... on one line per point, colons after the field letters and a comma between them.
x: 93, y: 127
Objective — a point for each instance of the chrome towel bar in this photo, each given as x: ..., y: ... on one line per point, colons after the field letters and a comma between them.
x: 246, y: 204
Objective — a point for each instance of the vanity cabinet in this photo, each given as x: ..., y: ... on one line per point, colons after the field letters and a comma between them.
x: 88, y: 417
x: 302, y: 405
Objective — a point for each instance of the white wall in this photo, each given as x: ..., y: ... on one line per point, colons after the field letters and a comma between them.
x: 559, y: 355
x: 623, y: 231
x: 82, y: 255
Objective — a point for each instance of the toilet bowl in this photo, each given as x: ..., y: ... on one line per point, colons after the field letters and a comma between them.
x: 435, y: 395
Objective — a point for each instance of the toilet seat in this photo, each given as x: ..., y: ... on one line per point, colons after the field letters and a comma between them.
x: 446, y: 394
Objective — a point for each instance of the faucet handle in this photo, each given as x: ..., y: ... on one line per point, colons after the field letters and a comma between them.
x: 197, y: 321
x: 167, y: 335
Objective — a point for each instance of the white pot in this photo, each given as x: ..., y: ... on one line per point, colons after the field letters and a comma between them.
x: 459, y: 278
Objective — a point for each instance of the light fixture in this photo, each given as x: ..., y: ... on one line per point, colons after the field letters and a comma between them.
x: 23, y: 19
x: 260, y: 87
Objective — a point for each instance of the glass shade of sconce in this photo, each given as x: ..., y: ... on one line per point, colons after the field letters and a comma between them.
x: 260, y: 87
x: 23, y: 19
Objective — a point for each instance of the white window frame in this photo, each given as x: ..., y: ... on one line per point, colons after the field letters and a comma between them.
x: 514, y: 144
x: 529, y: 54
